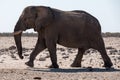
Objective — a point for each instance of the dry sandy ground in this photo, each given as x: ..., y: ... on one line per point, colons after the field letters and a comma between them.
x: 12, y: 68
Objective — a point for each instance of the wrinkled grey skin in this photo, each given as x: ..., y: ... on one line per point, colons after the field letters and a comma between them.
x: 75, y: 29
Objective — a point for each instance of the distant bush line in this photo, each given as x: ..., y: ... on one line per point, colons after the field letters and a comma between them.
x: 107, y: 34
x: 23, y: 35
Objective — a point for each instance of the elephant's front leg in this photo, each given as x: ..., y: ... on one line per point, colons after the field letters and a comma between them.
x: 40, y: 45
x: 51, y: 45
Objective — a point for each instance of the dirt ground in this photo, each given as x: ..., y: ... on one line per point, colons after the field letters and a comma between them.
x: 12, y: 68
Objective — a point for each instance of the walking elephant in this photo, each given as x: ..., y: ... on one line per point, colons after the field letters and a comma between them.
x: 75, y: 29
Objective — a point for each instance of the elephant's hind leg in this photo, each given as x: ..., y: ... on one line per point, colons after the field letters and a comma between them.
x: 78, y: 59
x: 40, y: 45
x: 101, y: 48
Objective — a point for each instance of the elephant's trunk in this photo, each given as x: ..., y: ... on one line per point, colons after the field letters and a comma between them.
x: 18, y: 44
x: 17, y: 36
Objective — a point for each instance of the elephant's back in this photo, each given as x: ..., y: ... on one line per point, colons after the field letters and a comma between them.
x: 78, y: 18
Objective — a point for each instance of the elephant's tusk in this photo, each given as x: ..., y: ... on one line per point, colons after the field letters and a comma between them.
x: 17, y: 32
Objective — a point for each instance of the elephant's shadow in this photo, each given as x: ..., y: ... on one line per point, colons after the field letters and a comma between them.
x: 75, y: 70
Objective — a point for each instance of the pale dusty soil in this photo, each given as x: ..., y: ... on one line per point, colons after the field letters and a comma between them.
x: 12, y: 68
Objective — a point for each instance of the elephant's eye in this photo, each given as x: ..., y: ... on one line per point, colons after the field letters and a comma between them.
x: 27, y: 27
x: 25, y: 19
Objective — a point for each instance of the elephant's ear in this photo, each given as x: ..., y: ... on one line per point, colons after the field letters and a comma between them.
x: 45, y: 17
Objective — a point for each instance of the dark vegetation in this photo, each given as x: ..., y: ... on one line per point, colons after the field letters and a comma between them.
x: 23, y: 35
x: 107, y: 34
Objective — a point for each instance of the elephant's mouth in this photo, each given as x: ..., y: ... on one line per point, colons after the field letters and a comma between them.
x: 17, y: 32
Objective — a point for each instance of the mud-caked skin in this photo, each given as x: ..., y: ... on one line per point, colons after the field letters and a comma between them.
x: 75, y: 29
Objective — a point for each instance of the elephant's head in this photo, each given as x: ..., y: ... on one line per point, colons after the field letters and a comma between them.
x: 32, y: 17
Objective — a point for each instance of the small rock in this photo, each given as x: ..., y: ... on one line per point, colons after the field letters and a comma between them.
x: 3, y: 50
x: 26, y: 54
x: 11, y: 71
x: 118, y: 66
x: 109, y: 47
x: 37, y: 78
x: 65, y: 56
x: 70, y: 50
x: 61, y: 49
x: 90, y: 51
x: 60, y: 62
x: 42, y: 59
x: 113, y: 51
x: 12, y: 48
x: 63, y: 53
x: 25, y: 50
x: 13, y: 56
x: 47, y: 55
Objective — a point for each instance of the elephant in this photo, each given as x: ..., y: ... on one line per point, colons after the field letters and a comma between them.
x: 74, y: 29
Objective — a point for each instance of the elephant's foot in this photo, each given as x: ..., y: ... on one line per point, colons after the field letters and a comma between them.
x: 108, y: 65
x: 75, y: 65
x: 21, y: 57
x: 54, y: 66
x: 30, y: 64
